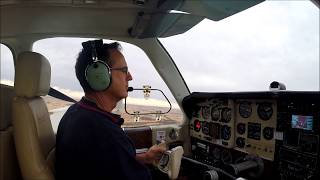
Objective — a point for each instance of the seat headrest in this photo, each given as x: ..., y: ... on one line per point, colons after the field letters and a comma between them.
x: 32, y: 75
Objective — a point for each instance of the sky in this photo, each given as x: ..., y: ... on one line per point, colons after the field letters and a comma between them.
x: 273, y: 41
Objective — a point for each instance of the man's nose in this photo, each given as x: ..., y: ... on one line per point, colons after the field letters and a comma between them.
x: 129, y: 77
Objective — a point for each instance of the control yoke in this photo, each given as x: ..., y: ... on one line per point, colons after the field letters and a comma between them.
x: 171, y: 161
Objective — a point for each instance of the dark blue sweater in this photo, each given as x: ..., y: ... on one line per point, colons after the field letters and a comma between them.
x: 91, y: 145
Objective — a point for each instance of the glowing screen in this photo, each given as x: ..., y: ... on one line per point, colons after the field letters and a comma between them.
x: 302, y: 122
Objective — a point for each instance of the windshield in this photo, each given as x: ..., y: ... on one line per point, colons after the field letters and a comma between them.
x: 273, y: 41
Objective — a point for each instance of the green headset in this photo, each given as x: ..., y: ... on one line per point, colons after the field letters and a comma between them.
x: 97, y: 72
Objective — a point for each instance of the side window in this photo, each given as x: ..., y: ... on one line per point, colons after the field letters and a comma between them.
x: 7, y: 66
x: 62, y: 54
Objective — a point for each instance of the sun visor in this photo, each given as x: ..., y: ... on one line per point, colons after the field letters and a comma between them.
x: 149, y: 25
x: 216, y: 10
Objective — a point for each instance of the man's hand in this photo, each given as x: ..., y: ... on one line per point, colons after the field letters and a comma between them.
x: 153, y: 155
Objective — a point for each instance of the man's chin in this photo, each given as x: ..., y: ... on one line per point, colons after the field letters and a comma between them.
x: 125, y: 95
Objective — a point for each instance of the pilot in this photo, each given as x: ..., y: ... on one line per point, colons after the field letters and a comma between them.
x: 90, y: 142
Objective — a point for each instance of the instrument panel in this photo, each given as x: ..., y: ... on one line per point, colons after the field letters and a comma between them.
x: 280, y: 127
x: 243, y: 124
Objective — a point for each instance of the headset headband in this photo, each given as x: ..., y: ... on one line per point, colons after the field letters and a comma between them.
x: 96, y: 48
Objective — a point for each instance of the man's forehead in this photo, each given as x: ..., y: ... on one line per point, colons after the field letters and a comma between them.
x: 117, y: 57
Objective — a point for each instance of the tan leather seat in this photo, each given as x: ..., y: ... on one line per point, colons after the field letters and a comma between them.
x: 33, y: 134
x: 9, y: 169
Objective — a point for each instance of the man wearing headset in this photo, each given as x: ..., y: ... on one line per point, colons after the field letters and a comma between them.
x: 90, y: 142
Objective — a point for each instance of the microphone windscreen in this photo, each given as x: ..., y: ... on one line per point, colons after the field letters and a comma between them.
x: 130, y: 89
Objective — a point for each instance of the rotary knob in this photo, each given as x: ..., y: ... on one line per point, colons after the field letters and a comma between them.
x: 240, y: 142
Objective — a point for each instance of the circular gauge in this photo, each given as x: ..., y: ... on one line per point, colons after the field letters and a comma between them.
x: 205, y: 112
x: 205, y: 128
x: 265, y: 111
x: 225, y: 132
x: 245, y: 109
x: 215, y: 114
x: 268, y: 133
x: 241, y: 128
x: 240, y: 142
x: 197, y: 125
x: 225, y: 115
x: 226, y: 157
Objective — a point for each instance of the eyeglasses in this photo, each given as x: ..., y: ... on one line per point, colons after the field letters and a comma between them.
x: 122, y: 69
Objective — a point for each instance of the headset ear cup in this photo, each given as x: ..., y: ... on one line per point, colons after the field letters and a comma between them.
x: 98, y: 75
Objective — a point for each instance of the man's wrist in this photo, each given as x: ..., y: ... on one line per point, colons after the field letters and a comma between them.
x: 144, y: 158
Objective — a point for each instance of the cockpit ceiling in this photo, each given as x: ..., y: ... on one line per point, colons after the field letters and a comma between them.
x: 120, y: 18
x: 66, y: 21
